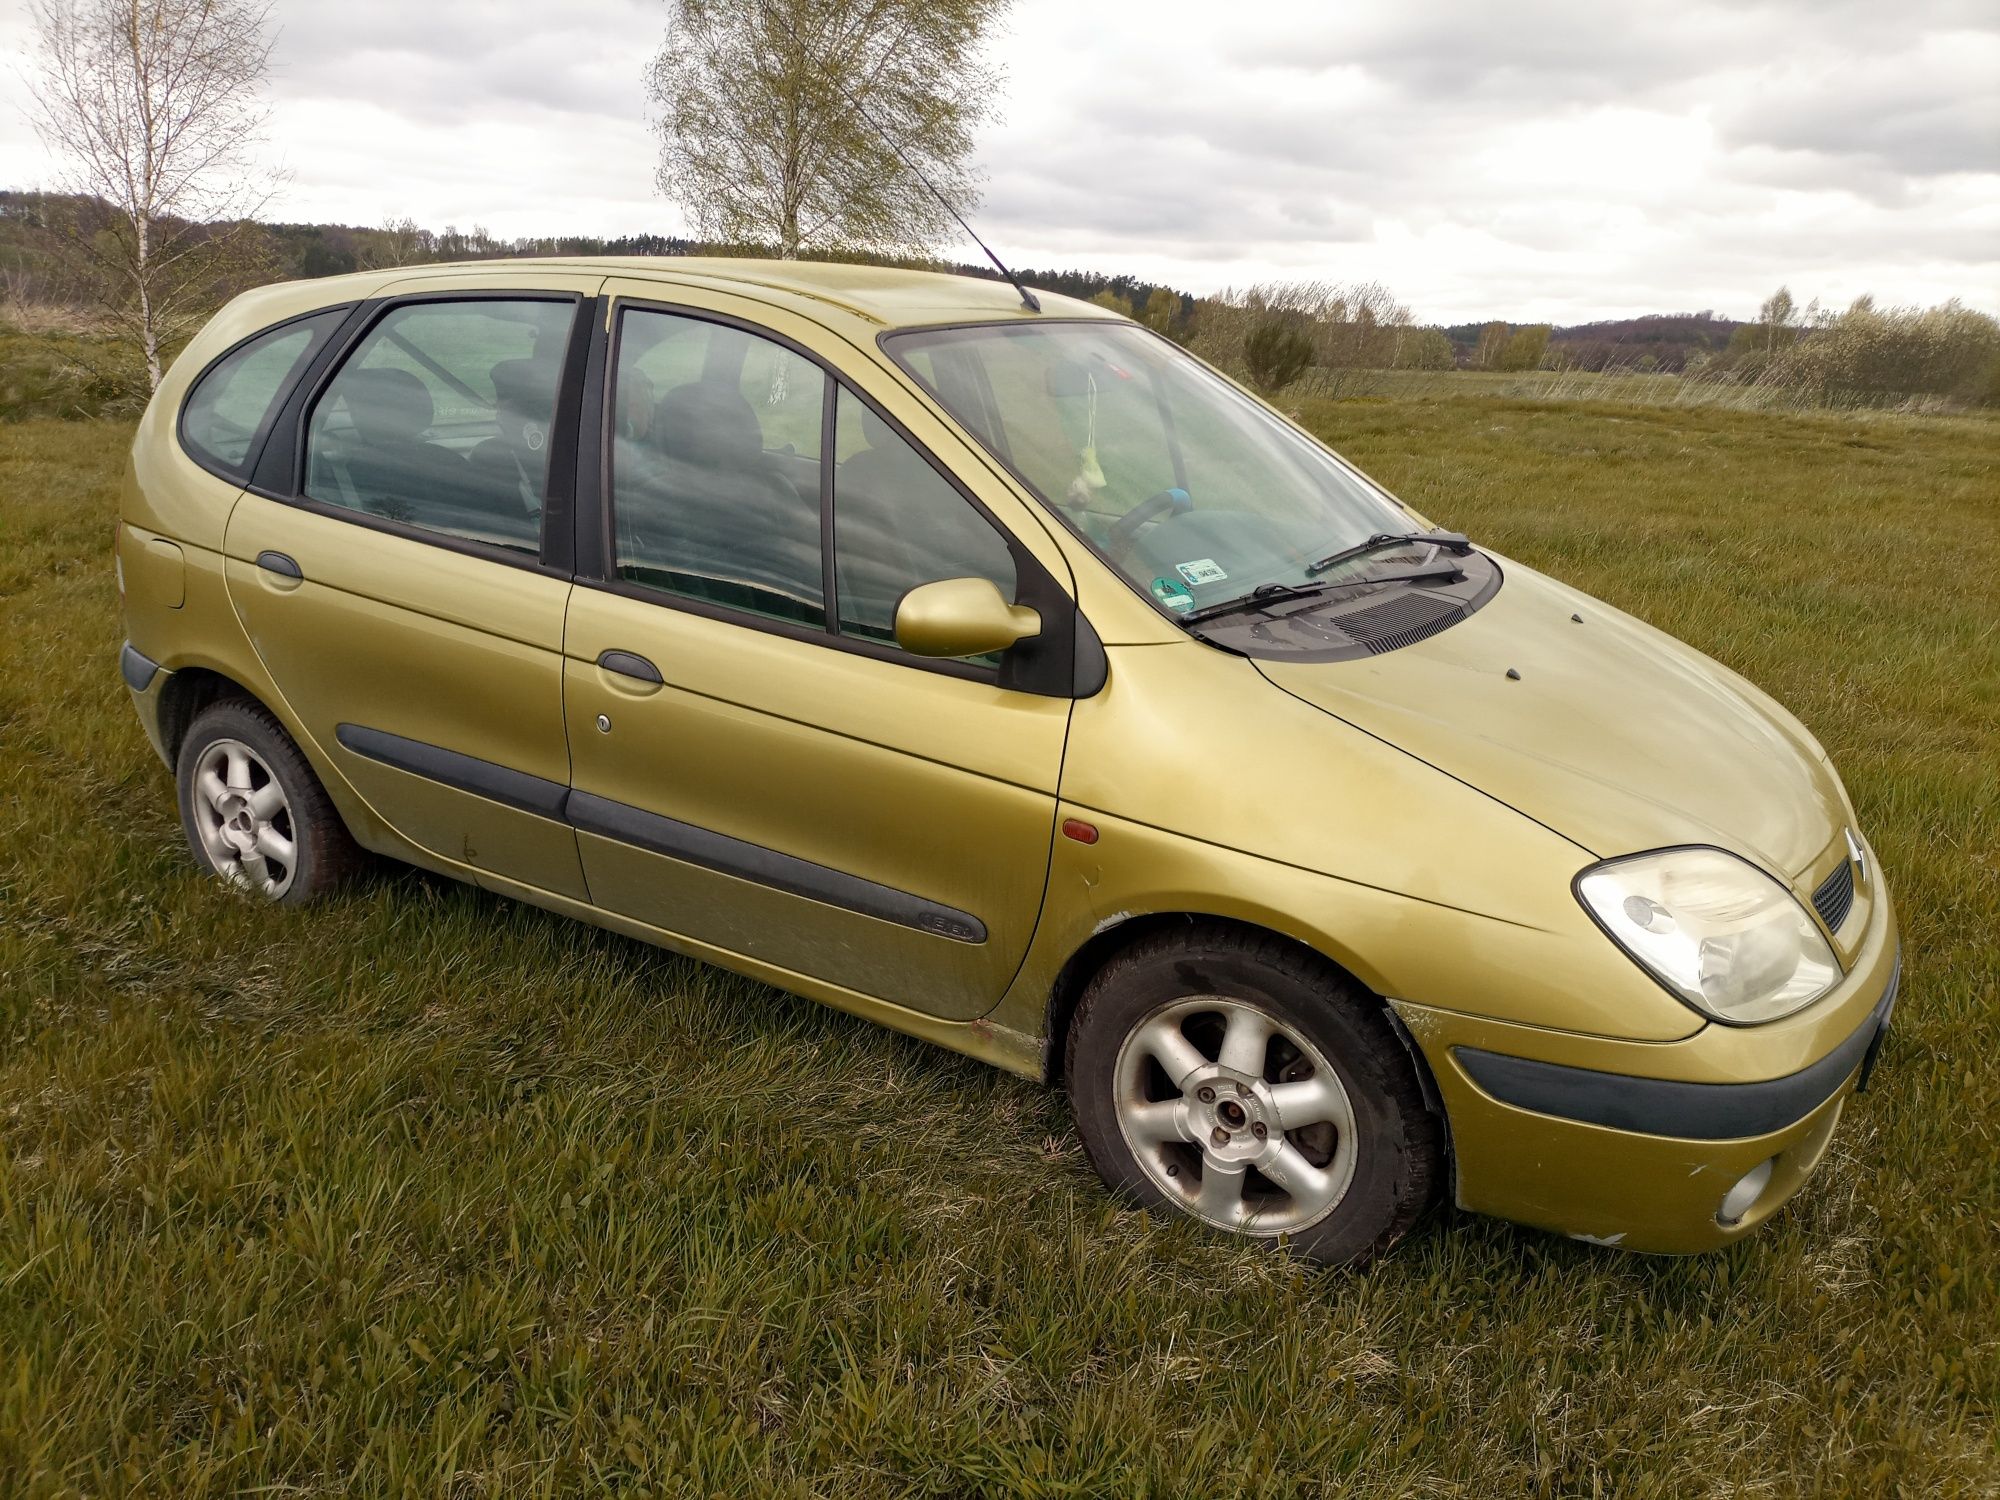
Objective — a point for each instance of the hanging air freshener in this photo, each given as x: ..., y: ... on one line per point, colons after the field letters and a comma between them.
x: 1092, y: 473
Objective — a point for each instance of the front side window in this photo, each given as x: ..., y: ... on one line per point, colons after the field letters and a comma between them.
x: 715, y: 466
x: 231, y: 402
x: 1195, y: 492
x: 897, y: 524
x: 441, y: 418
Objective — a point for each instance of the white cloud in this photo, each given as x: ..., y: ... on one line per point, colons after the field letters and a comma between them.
x: 1550, y: 158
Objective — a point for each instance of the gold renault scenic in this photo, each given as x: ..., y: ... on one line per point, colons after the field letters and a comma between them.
x: 1001, y: 673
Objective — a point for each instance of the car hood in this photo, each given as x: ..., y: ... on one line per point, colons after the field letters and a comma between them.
x: 1613, y: 734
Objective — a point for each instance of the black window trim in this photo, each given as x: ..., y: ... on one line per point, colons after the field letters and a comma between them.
x: 287, y: 484
x: 316, y: 345
x: 1063, y: 661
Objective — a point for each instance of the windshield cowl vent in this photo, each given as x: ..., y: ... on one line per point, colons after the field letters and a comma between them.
x: 1401, y: 621
x: 1371, y: 617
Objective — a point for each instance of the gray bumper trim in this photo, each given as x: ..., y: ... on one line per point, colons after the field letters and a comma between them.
x: 1670, y: 1107
x: 138, y: 671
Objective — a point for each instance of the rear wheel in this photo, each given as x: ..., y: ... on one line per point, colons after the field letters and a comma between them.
x: 1245, y: 1082
x: 253, y: 810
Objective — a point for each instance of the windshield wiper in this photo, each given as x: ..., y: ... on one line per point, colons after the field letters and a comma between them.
x: 1284, y: 593
x: 1264, y: 593
x: 1451, y: 541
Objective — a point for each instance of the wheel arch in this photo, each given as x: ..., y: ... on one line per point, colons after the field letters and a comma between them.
x: 1114, y: 938
x: 189, y: 690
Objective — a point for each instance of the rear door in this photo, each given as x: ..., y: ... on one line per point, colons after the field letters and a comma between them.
x: 757, y: 766
x: 403, y: 567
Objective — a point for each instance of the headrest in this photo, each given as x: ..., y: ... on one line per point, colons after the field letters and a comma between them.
x: 522, y: 384
x: 709, y: 425
x: 388, y: 406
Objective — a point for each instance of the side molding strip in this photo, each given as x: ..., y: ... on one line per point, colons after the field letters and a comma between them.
x: 753, y: 862
x: 658, y: 835
x: 467, y: 773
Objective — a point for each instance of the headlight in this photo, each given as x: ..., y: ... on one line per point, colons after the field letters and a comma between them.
x: 1714, y: 929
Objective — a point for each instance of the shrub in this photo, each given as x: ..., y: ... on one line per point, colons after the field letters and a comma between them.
x: 1877, y: 356
x: 1276, y: 352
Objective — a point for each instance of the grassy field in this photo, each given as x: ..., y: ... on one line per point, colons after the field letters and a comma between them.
x: 1625, y: 386
x: 425, y: 1193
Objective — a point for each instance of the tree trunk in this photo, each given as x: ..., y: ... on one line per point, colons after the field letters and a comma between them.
x: 149, y: 331
x: 788, y: 233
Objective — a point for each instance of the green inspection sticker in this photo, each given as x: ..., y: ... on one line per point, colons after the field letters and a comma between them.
x: 1173, y: 594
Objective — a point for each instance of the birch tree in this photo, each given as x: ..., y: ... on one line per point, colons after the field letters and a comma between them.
x: 795, y: 123
x: 153, y: 109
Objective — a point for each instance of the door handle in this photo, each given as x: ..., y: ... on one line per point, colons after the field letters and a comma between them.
x: 631, y: 664
x: 280, y: 571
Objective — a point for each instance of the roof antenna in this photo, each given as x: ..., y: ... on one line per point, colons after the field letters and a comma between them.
x: 1028, y: 299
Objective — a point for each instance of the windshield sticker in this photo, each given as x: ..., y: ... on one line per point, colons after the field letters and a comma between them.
x: 1172, y: 594
x: 1201, y: 570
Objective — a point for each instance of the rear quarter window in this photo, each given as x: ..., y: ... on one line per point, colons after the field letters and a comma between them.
x: 230, y: 405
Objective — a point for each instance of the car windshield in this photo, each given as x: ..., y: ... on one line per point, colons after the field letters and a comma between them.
x: 1194, y: 491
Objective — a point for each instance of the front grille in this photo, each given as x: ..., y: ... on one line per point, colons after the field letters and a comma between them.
x: 1402, y: 621
x: 1835, y: 897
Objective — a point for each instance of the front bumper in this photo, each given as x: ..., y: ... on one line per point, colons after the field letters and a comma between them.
x: 1636, y: 1144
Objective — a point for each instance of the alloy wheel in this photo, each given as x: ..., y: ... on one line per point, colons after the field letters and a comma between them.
x: 1235, y: 1115
x: 244, y: 819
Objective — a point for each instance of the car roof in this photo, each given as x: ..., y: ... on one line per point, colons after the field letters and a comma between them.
x: 882, y: 296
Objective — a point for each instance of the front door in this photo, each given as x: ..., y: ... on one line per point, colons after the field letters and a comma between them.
x: 757, y: 766
x: 399, y: 597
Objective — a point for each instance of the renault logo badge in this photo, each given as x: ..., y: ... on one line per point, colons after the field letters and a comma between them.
x: 1858, y: 857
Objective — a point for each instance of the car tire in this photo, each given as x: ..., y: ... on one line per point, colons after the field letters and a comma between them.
x: 1247, y: 1082
x: 254, y: 812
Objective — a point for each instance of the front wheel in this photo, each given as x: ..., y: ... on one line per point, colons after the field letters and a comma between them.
x: 1245, y: 1082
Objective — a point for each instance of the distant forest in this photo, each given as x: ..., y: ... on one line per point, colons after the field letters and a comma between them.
x: 1657, y: 341
x: 1311, y: 337
x: 313, y: 250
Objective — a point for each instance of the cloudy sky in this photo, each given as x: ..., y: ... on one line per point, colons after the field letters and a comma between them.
x: 1559, y: 159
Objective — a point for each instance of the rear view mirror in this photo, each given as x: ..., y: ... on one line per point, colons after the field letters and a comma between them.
x: 961, y: 617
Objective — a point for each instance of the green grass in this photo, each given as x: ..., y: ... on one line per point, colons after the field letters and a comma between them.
x: 426, y: 1193
x: 62, y: 374
x: 1628, y: 386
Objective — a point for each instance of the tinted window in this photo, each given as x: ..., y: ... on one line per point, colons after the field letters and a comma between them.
x: 897, y: 524
x: 229, y: 405
x: 715, y: 466
x: 440, y: 418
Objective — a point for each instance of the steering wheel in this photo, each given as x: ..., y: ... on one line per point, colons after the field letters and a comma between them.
x: 1125, y: 530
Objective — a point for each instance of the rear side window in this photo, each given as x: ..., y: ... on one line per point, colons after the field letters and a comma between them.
x: 441, y: 417
x: 228, y: 407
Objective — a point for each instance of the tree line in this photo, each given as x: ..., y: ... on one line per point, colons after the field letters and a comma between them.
x: 1306, y: 337
x: 837, y: 129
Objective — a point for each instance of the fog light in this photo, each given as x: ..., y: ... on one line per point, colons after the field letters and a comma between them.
x: 1749, y: 1188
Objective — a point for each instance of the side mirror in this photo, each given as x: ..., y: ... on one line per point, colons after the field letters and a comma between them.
x: 961, y: 617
